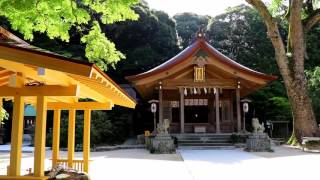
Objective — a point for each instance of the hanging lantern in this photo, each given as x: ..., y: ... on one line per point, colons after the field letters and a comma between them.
x: 214, y: 90
x: 185, y: 92
x: 205, y: 90
x: 199, y: 91
x: 194, y: 90
x: 209, y: 90
x: 238, y: 86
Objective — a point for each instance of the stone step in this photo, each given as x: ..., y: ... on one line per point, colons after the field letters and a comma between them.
x: 201, y: 135
x: 204, y: 141
x: 205, y: 144
x: 204, y: 138
x: 206, y: 147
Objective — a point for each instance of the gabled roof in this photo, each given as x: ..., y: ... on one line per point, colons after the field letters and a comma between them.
x: 199, y: 43
x: 217, y: 65
x: 17, y: 56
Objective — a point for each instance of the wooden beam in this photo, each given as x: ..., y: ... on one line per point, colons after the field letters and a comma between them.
x: 56, y: 137
x: 217, y: 102
x: 71, y: 136
x: 45, y: 60
x: 5, y: 74
x: 40, y: 137
x: 46, y: 90
x: 4, y: 82
x: 181, y: 110
x: 16, y: 136
x: 105, y: 92
x: 51, y: 77
x: 16, y: 80
x: 238, y: 109
x: 81, y: 105
x: 225, y: 83
x: 160, y: 105
x: 86, y: 140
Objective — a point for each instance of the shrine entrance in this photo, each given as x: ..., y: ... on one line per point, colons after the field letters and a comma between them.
x: 199, y: 90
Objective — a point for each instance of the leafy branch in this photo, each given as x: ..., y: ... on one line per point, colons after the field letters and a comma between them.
x: 56, y: 18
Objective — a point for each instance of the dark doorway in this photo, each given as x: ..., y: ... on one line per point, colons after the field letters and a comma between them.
x: 196, y: 114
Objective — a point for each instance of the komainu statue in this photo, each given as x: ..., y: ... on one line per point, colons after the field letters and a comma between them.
x: 163, y: 128
x: 257, y: 127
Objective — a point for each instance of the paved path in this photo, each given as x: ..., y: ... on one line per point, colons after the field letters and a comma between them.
x: 285, y: 163
x: 240, y: 165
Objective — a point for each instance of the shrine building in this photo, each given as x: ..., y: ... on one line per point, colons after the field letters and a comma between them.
x: 199, y: 89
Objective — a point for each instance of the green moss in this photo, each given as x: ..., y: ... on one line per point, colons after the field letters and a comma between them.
x: 293, y: 140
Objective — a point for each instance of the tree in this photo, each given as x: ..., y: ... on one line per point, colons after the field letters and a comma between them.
x: 240, y: 34
x: 188, y: 24
x: 147, y: 43
x: 58, y: 18
x: 300, y: 16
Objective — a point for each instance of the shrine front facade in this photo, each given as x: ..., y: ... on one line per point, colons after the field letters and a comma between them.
x: 199, y: 90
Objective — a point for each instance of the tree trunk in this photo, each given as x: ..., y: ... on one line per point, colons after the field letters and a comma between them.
x: 304, y: 122
x: 291, y: 67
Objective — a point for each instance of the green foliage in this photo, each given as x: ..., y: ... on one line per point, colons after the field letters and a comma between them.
x: 280, y: 109
x: 188, y: 24
x: 314, y: 89
x: 147, y: 43
x: 99, y: 47
x: 4, y: 115
x: 241, y: 35
x: 57, y: 17
x: 275, y: 5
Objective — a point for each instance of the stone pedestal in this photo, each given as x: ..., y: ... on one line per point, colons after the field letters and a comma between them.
x: 258, y: 142
x: 162, y: 144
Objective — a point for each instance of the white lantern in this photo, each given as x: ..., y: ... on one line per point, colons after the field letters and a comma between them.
x: 245, y: 107
x: 153, y: 107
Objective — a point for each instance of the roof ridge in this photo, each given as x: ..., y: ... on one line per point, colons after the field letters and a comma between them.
x: 7, y: 35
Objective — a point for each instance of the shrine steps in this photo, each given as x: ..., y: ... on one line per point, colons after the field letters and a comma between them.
x: 204, y: 141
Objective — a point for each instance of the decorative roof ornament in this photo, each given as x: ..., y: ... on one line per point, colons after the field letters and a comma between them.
x: 200, y: 34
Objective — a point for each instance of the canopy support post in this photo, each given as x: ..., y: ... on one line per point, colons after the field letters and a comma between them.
x: 40, y: 136
x: 86, y: 140
x: 16, y: 136
x: 71, y: 136
x: 56, y: 137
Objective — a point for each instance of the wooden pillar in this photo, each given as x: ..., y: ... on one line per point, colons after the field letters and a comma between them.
x: 160, y: 104
x: 1, y: 106
x: 231, y: 110
x: 181, y: 110
x: 56, y: 136
x: 238, y: 109
x: 86, y: 139
x: 16, y: 136
x: 217, y: 101
x: 40, y: 136
x: 71, y: 136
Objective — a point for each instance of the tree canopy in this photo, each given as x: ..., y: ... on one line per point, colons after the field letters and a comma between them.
x: 56, y: 18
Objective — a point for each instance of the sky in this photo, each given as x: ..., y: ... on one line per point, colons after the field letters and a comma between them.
x: 201, y: 7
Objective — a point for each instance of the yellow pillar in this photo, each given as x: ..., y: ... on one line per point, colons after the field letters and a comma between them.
x: 86, y: 139
x: 16, y: 136
x: 40, y: 136
x: 56, y: 136
x: 71, y: 136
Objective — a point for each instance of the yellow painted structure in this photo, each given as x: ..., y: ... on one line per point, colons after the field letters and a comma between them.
x: 56, y: 136
x: 60, y: 85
